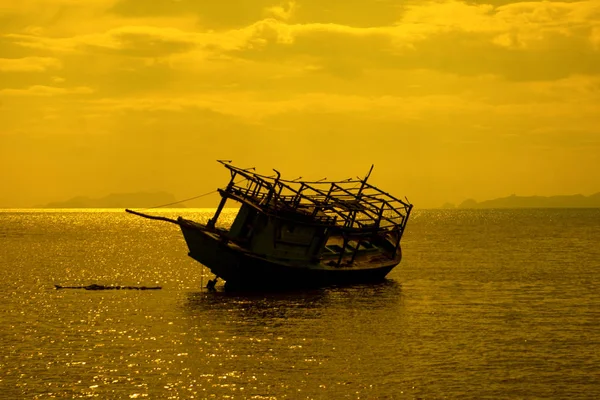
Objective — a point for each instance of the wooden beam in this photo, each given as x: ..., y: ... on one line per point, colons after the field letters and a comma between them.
x: 139, y: 214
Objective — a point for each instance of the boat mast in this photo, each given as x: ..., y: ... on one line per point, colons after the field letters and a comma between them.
x: 364, y: 182
x: 350, y: 221
x: 211, y: 222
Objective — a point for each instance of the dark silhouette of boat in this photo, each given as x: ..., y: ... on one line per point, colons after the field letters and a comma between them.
x: 294, y: 233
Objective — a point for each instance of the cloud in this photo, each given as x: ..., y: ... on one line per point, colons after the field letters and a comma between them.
x: 130, y: 40
x: 535, y: 41
x: 557, y: 104
x: 29, y: 64
x: 139, y: 40
x: 524, y: 41
x: 211, y: 14
x: 283, y: 11
x: 521, y: 41
x: 444, y: 85
x: 239, y: 13
x: 595, y: 38
x: 46, y: 91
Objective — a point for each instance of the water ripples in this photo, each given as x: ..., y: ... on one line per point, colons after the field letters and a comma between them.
x: 496, y: 304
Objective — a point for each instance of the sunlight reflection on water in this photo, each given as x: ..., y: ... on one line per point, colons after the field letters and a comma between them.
x: 479, y: 307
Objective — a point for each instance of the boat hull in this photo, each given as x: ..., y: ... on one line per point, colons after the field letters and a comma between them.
x: 244, y: 270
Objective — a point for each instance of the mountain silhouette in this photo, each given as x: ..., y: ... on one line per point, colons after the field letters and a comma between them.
x: 118, y: 200
x: 514, y: 201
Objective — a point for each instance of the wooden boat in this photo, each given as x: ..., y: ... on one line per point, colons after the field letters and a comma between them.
x: 294, y: 233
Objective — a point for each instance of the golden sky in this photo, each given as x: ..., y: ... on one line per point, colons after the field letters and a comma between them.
x: 449, y: 99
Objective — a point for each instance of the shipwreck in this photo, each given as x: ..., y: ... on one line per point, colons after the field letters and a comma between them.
x: 295, y: 233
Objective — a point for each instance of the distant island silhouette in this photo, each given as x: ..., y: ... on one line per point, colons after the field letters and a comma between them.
x: 118, y: 200
x: 514, y: 201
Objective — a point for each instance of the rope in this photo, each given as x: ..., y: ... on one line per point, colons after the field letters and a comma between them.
x: 191, y: 198
x: 212, y: 192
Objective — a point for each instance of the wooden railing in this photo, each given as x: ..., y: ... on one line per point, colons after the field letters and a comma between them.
x: 352, y: 208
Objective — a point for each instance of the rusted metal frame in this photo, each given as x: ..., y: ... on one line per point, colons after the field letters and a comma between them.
x: 353, y: 192
x: 272, y: 196
x: 350, y: 217
x: 314, y: 199
x: 405, y: 221
x: 337, y: 187
x: 374, y: 198
x: 245, y: 193
x: 259, y: 181
x: 394, y: 203
x: 401, y: 228
x: 280, y: 189
x: 398, y: 215
x: 363, y: 222
x: 393, y: 220
x: 299, y: 195
x: 364, y: 182
x: 397, y: 208
x: 314, y: 189
x: 372, y: 213
x: 358, y: 243
x: 391, y: 200
x: 293, y: 190
x: 399, y: 232
x: 329, y: 222
x: 287, y: 197
x: 212, y: 222
x: 392, y: 208
x: 257, y: 188
x: 387, y: 194
x: 239, y: 193
x: 282, y: 197
x: 310, y: 182
x: 343, y: 190
x: 390, y: 204
x: 338, y: 197
x: 316, y: 203
x: 344, y: 244
x: 381, y: 209
x: 314, y: 196
x: 236, y: 170
x: 388, y: 219
x: 271, y: 192
x: 332, y: 209
x: 363, y: 206
x: 350, y: 220
x: 327, y: 197
x: 252, y: 178
x: 367, y: 220
x: 249, y: 187
x: 358, y: 233
x: 261, y: 176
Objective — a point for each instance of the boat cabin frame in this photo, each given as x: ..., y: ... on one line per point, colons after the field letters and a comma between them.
x: 351, y: 210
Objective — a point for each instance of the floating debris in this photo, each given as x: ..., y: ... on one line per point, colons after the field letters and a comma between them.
x: 104, y: 287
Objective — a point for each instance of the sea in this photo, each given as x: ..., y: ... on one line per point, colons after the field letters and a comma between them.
x: 486, y: 304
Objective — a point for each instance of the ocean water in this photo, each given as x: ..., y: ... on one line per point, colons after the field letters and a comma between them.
x: 496, y: 304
